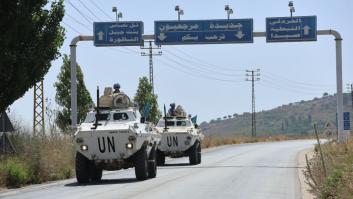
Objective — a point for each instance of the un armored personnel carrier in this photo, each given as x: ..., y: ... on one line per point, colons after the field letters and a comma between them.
x: 180, y: 137
x: 114, y: 137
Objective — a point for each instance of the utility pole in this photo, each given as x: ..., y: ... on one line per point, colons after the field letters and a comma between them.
x: 38, y: 109
x: 150, y: 54
x: 254, y: 74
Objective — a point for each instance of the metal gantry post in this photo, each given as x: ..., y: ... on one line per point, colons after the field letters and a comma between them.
x: 73, y: 64
x: 338, y: 42
x: 352, y: 95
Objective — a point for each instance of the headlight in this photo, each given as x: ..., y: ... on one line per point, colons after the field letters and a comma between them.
x: 132, y: 138
x: 84, y: 147
x: 129, y: 145
x: 79, y: 140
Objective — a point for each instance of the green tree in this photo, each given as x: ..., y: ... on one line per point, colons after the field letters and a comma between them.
x: 143, y: 95
x: 63, y: 95
x: 30, y: 39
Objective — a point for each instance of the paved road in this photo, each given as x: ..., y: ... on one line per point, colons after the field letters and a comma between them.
x: 247, y: 171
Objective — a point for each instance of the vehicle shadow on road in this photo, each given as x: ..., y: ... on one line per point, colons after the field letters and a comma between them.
x: 104, y: 182
x: 185, y: 165
x: 176, y: 164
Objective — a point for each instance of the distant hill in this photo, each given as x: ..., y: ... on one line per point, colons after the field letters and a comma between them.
x: 291, y: 119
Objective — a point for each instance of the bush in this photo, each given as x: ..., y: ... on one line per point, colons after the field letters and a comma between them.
x: 17, y: 173
x: 337, y: 180
x: 38, y: 159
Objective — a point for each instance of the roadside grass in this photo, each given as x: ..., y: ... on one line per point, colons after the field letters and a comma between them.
x: 219, y: 141
x: 336, y: 181
x: 38, y: 159
x: 47, y: 158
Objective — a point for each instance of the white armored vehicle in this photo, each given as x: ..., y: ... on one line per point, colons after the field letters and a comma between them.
x: 115, y: 137
x: 180, y: 137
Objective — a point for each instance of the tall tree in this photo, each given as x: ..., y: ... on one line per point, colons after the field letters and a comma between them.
x: 30, y: 39
x: 63, y: 95
x: 144, y: 97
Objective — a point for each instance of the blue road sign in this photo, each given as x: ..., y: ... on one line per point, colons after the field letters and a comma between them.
x: 346, y: 116
x: 286, y: 29
x: 346, y: 125
x: 219, y: 31
x: 125, y: 33
x: 346, y: 121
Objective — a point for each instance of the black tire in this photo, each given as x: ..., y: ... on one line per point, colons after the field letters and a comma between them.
x: 141, y: 164
x: 152, y: 164
x: 95, y: 173
x: 193, y: 154
x: 160, y: 158
x: 199, y: 154
x: 82, y: 167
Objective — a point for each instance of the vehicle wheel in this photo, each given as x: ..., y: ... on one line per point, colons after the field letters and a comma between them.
x: 82, y: 165
x: 199, y: 154
x: 141, y: 165
x: 193, y: 154
x: 96, y: 173
x: 152, y: 164
x: 160, y: 158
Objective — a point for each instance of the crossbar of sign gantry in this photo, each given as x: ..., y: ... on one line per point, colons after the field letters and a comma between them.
x: 290, y: 29
x: 221, y: 31
x: 124, y: 33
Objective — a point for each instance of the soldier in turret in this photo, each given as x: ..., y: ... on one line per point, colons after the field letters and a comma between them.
x: 171, y: 111
x: 116, y: 88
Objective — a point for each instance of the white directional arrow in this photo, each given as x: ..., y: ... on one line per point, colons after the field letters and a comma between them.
x: 100, y: 35
x: 162, y: 36
x: 240, y: 34
x: 306, y: 30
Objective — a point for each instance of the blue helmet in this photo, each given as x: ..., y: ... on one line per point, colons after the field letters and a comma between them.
x: 116, y: 86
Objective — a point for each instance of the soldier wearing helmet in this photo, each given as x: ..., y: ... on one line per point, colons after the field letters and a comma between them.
x: 116, y: 88
x: 171, y: 111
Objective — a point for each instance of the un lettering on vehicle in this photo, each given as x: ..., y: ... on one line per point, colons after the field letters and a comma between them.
x: 172, y: 141
x: 106, y: 144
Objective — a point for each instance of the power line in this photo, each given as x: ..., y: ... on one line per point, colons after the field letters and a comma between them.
x: 282, y: 89
x: 83, y: 15
x: 282, y: 86
x: 95, y: 5
x: 184, y: 69
x: 254, y: 74
x: 198, y: 71
x: 277, y: 77
x: 206, y: 63
x: 205, y: 69
x: 78, y: 32
x: 89, y: 10
x: 78, y: 22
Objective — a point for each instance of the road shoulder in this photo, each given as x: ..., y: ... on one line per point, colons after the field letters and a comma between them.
x: 304, y: 187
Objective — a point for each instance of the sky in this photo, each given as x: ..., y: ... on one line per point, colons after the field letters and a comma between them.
x: 207, y: 80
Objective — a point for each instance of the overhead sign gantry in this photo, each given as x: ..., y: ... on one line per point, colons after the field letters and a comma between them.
x: 278, y: 29
x: 127, y: 33
x: 286, y: 29
x: 219, y: 31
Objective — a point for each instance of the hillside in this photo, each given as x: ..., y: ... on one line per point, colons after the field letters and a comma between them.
x: 291, y: 119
